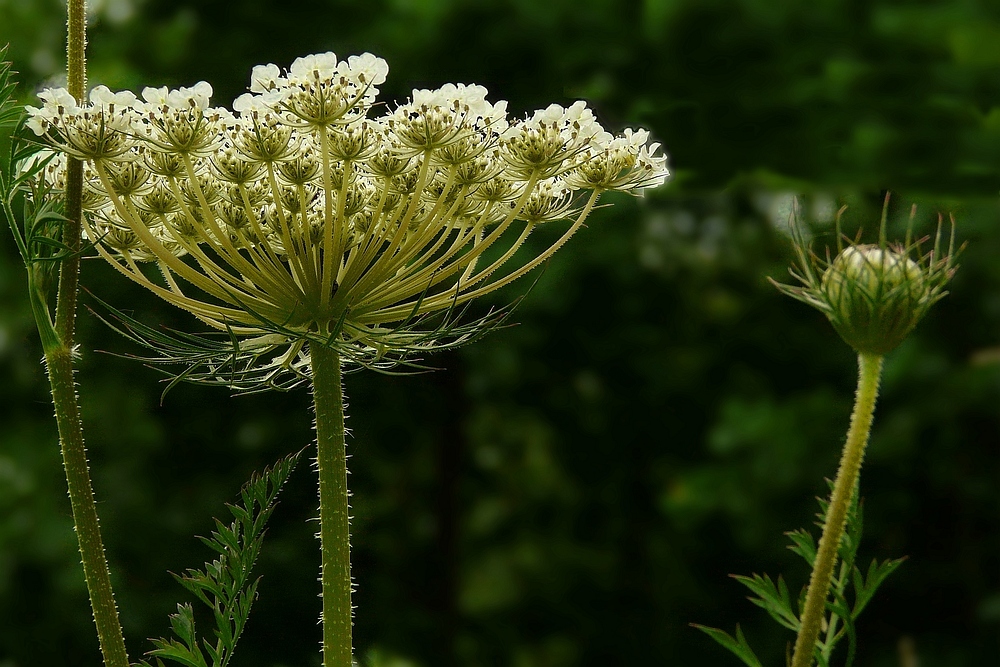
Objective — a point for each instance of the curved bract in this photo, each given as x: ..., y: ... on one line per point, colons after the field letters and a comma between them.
x: 294, y: 216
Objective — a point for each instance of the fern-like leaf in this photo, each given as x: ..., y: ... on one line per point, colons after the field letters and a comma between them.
x: 225, y: 585
x: 774, y: 599
x: 10, y: 113
x: 737, y: 645
x: 850, y: 592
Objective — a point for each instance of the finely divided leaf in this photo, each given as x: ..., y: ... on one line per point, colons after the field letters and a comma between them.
x: 842, y: 613
x: 10, y: 112
x: 224, y: 584
x: 186, y: 653
x: 775, y: 600
x: 737, y: 645
x: 865, y: 586
x: 803, y: 544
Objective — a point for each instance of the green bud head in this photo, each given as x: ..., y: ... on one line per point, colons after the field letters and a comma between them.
x: 875, y: 296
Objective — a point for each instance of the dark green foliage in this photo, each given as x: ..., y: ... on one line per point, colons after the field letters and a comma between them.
x: 224, y: 585
x: 843, y: 613
x: 31, y: 208
x: 9, y: 113
x: 737, y: 645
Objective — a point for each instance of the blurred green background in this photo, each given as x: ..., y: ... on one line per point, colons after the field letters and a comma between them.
x: 572, y: 490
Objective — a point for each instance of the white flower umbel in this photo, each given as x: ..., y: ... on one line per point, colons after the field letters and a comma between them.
x: 297, y: 217
x: 311, y: 234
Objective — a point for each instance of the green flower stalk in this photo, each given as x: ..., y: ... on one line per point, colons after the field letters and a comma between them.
x: 873, y: 295
x: 42, y: 247
x: 315, y: 238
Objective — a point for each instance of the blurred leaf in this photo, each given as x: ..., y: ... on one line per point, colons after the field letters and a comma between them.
x: 737, y: 645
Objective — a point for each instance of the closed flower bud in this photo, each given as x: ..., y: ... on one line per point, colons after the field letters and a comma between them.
x: 875, y: 296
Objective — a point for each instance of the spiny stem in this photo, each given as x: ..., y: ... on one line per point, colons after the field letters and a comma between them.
x: 58, y: 347
x: 869, y: 373
x: 59, y: 361
x: 69, y: 269
x: 334, y: 531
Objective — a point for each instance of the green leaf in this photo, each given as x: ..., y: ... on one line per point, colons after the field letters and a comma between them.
x: 775, y: 600
x: 224, y: 584
x: 10, y: 114
x: 866, y: 586
x: 182, y: 624
x: 738, y: 645
x: 839, y: 615
x: 803, y: 544
x: 172, y: 650
x: 848, y: 549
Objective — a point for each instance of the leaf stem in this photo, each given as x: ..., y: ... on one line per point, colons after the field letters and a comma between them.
x: 869, y: 373
x: 334, y: 518
x: 832, y: 624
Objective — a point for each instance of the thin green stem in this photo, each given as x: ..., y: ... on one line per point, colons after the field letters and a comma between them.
x: 334, y: 519
x: 833, y: 622
x: 869, y: 373
x: 58, y: 344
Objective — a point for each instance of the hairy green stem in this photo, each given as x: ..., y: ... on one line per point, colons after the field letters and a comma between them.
x: 69, y: 270
x: 59, y: 361
x: 58, y: 344
x: 869, y: 372
x: 334, y: 519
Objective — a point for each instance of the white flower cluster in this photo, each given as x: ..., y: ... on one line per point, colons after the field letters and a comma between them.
x: 295, y: 211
